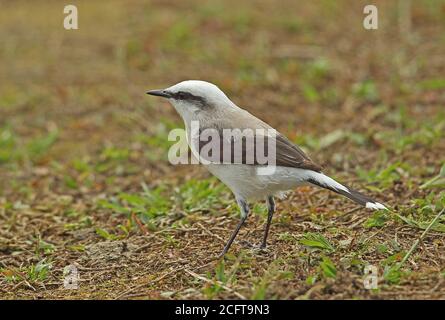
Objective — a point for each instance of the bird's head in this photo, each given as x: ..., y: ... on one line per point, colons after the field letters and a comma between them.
x: 193, y: 97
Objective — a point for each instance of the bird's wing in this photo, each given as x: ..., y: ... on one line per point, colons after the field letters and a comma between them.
x: 250, y: 146
x: 290, y: 155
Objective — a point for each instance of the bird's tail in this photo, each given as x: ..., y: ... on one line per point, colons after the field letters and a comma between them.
x: 321, y: 180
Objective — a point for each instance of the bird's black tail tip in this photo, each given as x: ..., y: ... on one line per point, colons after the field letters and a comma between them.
x: 326, y: 182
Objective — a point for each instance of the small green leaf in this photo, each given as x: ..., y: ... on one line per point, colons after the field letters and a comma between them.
x: 328, y: 268
x: 310, y: 280
x: 437, y: 181
x: 432, y: 84
x: 392, y: 274
x: 421, y: 224
x: 378, y: 219
x: 315, y: 240
x: 105, y: 234
x: 259, y: 291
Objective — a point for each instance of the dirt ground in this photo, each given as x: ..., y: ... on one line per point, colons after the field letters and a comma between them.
x: 85, y: 179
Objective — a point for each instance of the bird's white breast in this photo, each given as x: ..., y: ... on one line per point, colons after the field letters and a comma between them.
x: 245, y: 181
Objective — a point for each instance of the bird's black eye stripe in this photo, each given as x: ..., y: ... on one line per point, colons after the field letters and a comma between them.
x: 181, y: 95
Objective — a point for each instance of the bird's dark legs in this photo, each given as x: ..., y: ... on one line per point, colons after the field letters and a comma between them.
x: 270, y: 212
x: 244, y: 207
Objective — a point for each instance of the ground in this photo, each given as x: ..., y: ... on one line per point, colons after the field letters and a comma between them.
x: 85, y: 179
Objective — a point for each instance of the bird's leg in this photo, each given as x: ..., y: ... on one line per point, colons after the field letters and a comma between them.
x: 244, y: 207
x: 270, y: 212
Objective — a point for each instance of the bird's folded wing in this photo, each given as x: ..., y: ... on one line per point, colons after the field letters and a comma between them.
x: 249, y: 147
x: 290, y: 155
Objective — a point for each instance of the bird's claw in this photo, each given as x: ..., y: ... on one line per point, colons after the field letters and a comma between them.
x: 255, y: 247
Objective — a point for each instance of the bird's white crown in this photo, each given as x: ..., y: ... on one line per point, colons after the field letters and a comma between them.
x: 199, y: 88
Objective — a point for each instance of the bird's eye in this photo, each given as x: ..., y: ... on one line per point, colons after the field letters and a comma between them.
x: 181, y: 95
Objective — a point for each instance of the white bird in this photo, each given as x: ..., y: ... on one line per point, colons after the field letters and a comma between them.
x: 204, y: 103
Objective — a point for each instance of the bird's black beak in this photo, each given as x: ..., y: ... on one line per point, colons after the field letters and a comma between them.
x: 159, y: 93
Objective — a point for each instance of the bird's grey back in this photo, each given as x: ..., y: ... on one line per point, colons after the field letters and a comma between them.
x: 287, y: 153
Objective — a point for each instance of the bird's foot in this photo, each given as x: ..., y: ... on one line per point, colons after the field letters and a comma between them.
x: 261, y: 247
x: 247, y: 244
x: 221, y: 255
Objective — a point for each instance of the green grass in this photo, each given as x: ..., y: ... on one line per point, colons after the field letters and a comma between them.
x: 148, y: 205
x: 198, y: 195
x: 423, y: 211
x: 437, y: 181
x: 83, y: 150
x: 378, y: 219
x: 34, y: 273
x: 157, y: 202
x: 432, y: 84
x: 158, y: 142
x: 327, y: 268
x: 14, y: 148
x: 386, y: 177
x: 316, y: 241
x: 366, y: 90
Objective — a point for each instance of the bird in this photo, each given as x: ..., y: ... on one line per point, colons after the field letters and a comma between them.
x: 203, y: 103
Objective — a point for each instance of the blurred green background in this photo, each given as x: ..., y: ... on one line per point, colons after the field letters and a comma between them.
x: 78, y: 135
